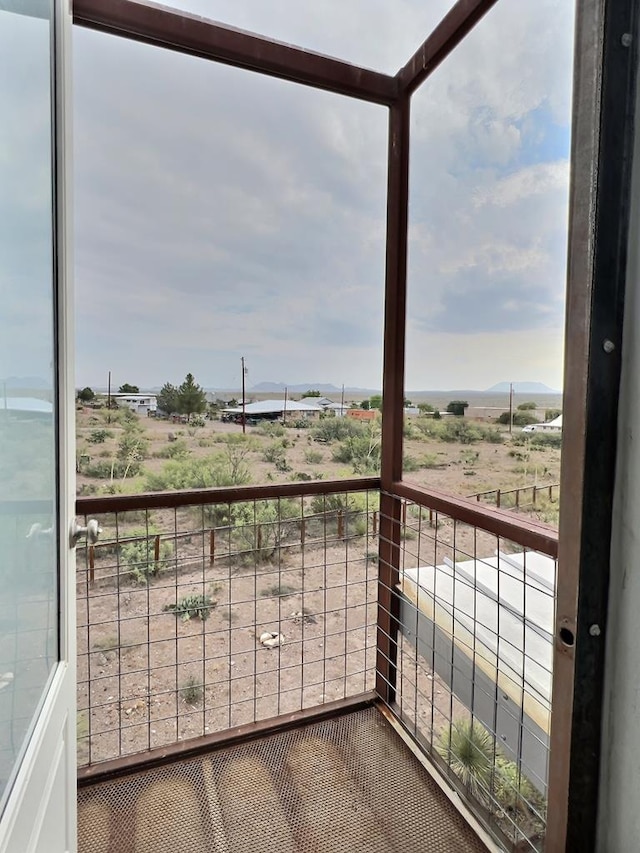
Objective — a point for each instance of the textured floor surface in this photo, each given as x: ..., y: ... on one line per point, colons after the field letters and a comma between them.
x: 345, y: 784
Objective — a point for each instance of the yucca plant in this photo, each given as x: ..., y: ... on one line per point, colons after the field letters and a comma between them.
x: 468, y: 749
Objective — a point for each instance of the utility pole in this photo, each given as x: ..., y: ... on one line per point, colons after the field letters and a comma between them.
x: 510, y: 408
x: 284, y: 414
x: 109, y: 399
x: 244, y: 417
x: 342, y: 402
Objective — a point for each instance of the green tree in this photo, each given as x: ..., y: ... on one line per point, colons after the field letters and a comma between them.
x: 552, y: 414
x: 128, y: 389
x: 425, y: 408
x: 436, y: 415
x: 312, y: 393
x: 191, y: 397
x: 86, y: 395
x: 525, y: 407
x: 376, y: 401
x: 457, y: 407
x: 366, y: 405
x: 168, y: 398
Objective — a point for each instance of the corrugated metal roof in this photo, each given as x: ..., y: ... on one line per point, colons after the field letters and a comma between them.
x: 273, y: 407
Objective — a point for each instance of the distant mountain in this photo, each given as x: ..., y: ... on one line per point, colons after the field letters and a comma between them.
x: 26, y: 382
x: 279, y: 387
x: 522, y: 388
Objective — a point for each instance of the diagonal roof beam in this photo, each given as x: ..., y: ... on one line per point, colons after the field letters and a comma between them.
x: 186, y: 33
x: 455, y: 25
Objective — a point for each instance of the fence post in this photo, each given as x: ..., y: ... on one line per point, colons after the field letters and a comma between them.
x: 156, y: 550
x: 535, y: 492
x: 212, y: 546
x: 340, y: 525
x: 517, y: 498
x: 374, y: 523
x: 498, y: 498
x: 303, y: 531
x: 92, y: 563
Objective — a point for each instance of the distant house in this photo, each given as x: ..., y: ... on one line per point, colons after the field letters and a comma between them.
x: 362, y: 414
x: 273, y: 410
x: 142, y: 404
x: 554, y: 426
x: 327, y: 405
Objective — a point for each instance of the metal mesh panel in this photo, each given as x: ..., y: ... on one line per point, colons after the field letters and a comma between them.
x: 473, y: 659
x: 172, y: 605
x: 344, y: 784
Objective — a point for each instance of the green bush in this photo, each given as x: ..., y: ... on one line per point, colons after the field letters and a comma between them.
x: 212, y: 471
x: 99, y: 436
x: 191, y: 607
x: 261, y: 527
x: 337, y: 429
x: 139, y: 558
x: 468, y: 749
x: 457, y: 429
x: 361, y: 450
x: 410, y: 463
x: 519, y: 418
x: 552, y: 414
x: 175, y: 450
x: 526, y: 407
x: 114, y: 469
x: 313, y: 457
x: 274, y: 452
x: 192, y: 690
x: 272, y: 429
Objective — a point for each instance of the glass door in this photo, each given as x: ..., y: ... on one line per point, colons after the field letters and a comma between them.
x: 36, y: 666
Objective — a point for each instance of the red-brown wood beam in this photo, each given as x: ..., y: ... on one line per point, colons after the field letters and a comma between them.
x: 191, y: 34
x: 455, y: 25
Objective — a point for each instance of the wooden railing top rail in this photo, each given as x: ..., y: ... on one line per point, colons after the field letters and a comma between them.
x: 532, y: 534
x: 233, y: 494
x: 526, y: 532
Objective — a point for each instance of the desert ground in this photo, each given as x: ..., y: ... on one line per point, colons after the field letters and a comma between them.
x: 170, y: 620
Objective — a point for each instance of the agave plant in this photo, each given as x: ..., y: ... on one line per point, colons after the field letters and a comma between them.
x: 469, y: 750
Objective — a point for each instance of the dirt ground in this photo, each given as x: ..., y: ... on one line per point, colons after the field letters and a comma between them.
x: 147, y: 678
x: 460, y: 469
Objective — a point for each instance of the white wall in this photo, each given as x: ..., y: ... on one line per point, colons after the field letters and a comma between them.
x: 619, y: 814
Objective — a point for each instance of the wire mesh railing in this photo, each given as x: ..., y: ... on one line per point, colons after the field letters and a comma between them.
x: 471, y: 638
x: 203, y: 612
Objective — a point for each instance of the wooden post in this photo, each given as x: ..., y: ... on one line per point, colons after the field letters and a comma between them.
x: 517, y: 498
x: 374, y: 523
x: 340, y: 525
x: 303, y: 531
x: 535, y: 492
x: 156, y: 549
x: 498, y: 498
x: 212, y: 546
x: 92, y: 563
x: 259, y: 537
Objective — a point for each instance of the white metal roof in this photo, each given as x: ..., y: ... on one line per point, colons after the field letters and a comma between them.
x: 272, y: 407
x: 500, y: 611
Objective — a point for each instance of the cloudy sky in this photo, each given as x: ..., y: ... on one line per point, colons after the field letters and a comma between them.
x: 220, y: 213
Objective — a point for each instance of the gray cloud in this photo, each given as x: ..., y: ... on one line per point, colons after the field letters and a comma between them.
x: 219, y: 212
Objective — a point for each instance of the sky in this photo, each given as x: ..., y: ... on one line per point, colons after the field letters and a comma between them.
x: 220, y: 213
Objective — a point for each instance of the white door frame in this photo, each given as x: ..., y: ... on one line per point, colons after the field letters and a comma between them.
x: 40, y: 814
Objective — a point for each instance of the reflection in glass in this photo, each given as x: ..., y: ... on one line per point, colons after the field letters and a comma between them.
x: 28, y: 537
